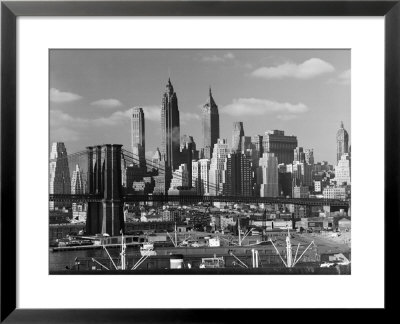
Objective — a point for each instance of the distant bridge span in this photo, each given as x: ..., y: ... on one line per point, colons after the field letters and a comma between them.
x: 191, y: 199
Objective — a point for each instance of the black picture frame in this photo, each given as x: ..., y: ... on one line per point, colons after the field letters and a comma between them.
x: 11, y: 10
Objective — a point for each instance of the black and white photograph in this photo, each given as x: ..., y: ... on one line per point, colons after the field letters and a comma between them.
x: 200, y: 161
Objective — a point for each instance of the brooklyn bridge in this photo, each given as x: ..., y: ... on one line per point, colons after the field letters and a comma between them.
x: 105, y: 195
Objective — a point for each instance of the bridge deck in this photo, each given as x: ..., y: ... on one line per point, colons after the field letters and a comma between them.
x: 190, y: 199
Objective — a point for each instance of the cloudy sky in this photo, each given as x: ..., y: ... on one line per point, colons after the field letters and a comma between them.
x: 303, y: 92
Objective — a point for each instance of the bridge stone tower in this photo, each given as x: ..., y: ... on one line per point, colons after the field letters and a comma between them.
x: 104, y: 179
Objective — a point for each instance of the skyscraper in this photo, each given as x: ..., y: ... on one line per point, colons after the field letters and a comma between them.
x: 302, y: 173
x: 267, y: 175
x: 77, y: 185
x: 237, y: 134
x: 309, y: 156
x: 170, y: 131
x: 204, y: 176
x: 282, y: 146
x: 188, y: 153
x: 210, y: 124
x: 180, y: 177
x: 60, y: 182
x: 342, y: 170
x: 200, y: 176
x: 216, y: 172
x: 257, y: 141
x: 245, y: 144
x: 163, y: 180
x: 342, y: 142
x: 138, y: 136
x: 238, y: 175
x: 299, y: 154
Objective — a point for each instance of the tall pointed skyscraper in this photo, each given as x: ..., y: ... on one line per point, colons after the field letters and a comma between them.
x: 210, y: 125
x: 138, y: 136
x: 60, y: 182
x: 342, y: 142
x: 170, y: 132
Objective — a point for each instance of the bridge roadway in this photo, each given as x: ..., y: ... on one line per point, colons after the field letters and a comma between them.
x: 191, y: 199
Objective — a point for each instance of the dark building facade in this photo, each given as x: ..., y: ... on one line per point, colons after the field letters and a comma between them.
x: 238, y: 175
x: 285, y: 183
x: 210, y: 125
x: 342, y: 142
x: 281, y: 145
x: 170, y: 129
x: 299, y: 154
x: 188, y: 154
x: 138, y: 136
x: 257, y: 142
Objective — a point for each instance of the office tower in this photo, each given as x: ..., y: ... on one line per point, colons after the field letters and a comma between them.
x: 309, y: 156
x: 60, y: 182
x: 267, y: 175
x: 170, y: 133
x: 299, y: 154
x: 237, y: 134
x: 138, y: 136
x: 188, y: 143
x: 238, y: 175
x: 216, y: 174
x: 257, y: 142
x: 343, y: 171
x: 210, y: 124
x: 162, y: 181
x: 302, y: 172
x: 180, y: 177
x: 282, y: 146
x: 200, y: 176
x: 204, y: 166
x: 188, y: 153
x: 77, y: 184
x: 196, y: 176
x: 245, y: 144
x: 342, y: 142
x: 285, y: 182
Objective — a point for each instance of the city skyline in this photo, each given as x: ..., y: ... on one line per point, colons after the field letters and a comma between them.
x: 78, y: 120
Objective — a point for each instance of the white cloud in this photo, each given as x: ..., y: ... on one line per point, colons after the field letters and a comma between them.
x: 218, y: 58
x: 107, y: 103
x: 343, y: 78
x: 229, y: 56
x: 64, y: 134
x: 308, y: 69
x: 253, y: 107
x: 152, y: 113
x: 61, y: 96
x: 186, y: 117
x: 61, y: 119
